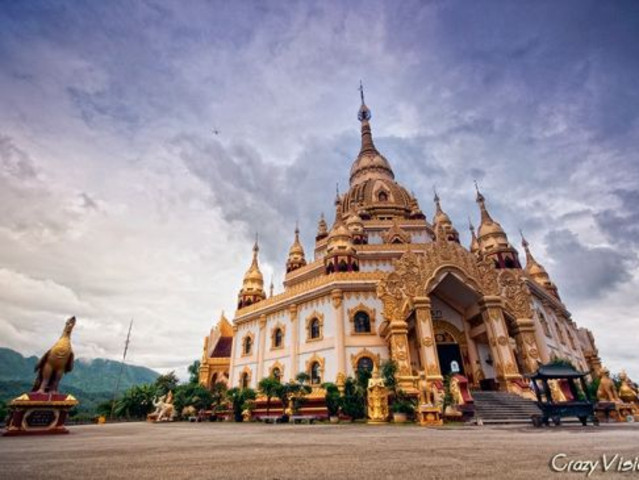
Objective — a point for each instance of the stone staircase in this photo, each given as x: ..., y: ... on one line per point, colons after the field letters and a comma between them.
x: 503, y: 407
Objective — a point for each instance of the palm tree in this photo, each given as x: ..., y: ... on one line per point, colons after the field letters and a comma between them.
x: 269, y: 387
x: 136, y: 402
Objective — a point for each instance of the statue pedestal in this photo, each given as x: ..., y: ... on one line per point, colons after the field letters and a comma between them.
x: 618, y: 412
x: 39, y: 414
x: 429, y: 416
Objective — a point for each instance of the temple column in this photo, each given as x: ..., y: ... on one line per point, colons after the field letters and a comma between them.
x: 292, y: 310
x: 497, y: 331
x: 260, y: 353
x: 474, y: 375
x: 426, y: 333
x: 233, y: 350
x: 337, y: 298
x: 397, y: 338
x: 526, y: 339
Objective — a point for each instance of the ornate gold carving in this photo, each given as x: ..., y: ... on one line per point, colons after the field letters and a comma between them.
x: 355, y: 358
x: 516, y: 292
x: 503, y: 341
x: 337, y: 296
x: 371, y: 312
x: 427, y: 341
x: 442, y: 326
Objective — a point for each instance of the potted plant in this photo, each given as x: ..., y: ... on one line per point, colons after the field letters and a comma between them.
x: 402, y: 407
x: 333, y: 401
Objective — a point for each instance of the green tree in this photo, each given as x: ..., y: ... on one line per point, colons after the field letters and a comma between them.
x: 269, y: 387
x: 218, y: 394
x: 389, y: 370
x: 194, y: 372
x: 333, y: 399
x: 353, y: 402
x: 136, y: 402
x: 239, y: 397
x: 166, y: 383
x: 295, y: 390
x: 191, y: 395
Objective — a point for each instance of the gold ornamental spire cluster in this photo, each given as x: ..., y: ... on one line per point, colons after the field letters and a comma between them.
x: 442, y: 222
x: 253, y: 284
x: 296, y: 257
x: 536, y: 270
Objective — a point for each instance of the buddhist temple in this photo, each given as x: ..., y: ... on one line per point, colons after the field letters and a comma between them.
x: 385, y: 282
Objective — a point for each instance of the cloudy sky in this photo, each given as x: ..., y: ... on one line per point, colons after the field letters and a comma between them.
x: 118, y: 200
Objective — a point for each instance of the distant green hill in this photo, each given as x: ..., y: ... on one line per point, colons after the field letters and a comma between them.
x: 90, y: 380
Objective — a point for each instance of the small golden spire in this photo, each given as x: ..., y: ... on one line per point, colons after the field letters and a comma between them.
x: 296, y: 257
x: 474, y: 244
x: 271, y: 287
x: 322, y: 228
x: 536, y: 270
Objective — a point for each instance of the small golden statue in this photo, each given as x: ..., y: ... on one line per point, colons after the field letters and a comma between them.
x: 377, y: 398
x: 607, y: 391
x: 425, y: 393
x: 56, y: 362
x: 626, y: 392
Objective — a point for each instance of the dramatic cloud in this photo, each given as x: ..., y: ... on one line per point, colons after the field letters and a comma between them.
x: 143, y: 144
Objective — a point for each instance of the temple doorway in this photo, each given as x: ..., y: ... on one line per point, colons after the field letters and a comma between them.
x: 450, y: 358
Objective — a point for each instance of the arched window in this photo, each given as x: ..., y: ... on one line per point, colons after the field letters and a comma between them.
x: 277, y: 374
x: 248, y: 345
x: 362, y: 322
x: 509, y: 262
x: 365, y: 363
x: 315, y: 329
x: 382, y: 196
x: 244, y: 380
x: 316, y: 373
x: 277, y: 338
x: 343, y: 266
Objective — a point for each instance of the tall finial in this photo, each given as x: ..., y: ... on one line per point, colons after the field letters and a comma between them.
x: 471, y: 227
x: 256, y: 247
x: 436, y: 197
x: 271, y: 288
x: 364, y: 114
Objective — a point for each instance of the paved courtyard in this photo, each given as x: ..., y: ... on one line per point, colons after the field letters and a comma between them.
x: 234, y: 451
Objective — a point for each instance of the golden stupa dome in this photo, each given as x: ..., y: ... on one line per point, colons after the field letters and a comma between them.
x: 340, y: 238
x: 295, y: 253
x: 372, y: 181
x: 253, y: 279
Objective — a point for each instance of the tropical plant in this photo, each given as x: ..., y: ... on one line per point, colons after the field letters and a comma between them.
x: 295, y: 391
x: 166, y: 383
x: 191, y: 395
x: 389, y: 370
x: 239, y: 397
x: 333, y: 399
x: 136, y: 402
x: 269, y: 387
x: 448, y: 399
x: 403, y: 403
x: 353, y: 402
x: 218, y: 394
x: 194, y: 372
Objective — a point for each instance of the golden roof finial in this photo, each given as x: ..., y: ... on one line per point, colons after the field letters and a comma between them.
x: 322, y: 228
x: 271, y: 287
x: 296, y: 257
x: 474, y: 243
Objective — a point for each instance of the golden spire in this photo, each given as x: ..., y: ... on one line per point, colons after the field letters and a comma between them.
x: 296, y: 253
x: 369, y: 161
x: 492, y: 239
x: 271, y: 287
x: 253, y: 284
x: 443, y: 220
x: 474, y: 244
x: 322, y: 228
x: 536, y: 270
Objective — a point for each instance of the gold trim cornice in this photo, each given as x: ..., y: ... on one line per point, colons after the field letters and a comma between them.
x: 308, y: 290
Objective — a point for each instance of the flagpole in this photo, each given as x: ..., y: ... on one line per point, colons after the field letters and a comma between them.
x: 117, y: 383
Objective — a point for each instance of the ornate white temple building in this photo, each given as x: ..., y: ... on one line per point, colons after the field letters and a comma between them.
x: 384, y: 282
